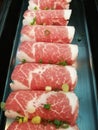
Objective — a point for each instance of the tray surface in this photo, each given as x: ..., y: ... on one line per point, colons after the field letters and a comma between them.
x: 86, y: 86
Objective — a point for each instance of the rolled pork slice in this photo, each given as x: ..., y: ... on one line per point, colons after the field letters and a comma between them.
x: 35, y: 76
x: 49, y: 33
x: 47, y: 52
x: 48, y: 4
x: 29, y: 126
x: 47, y: 105
x: 47, y: 17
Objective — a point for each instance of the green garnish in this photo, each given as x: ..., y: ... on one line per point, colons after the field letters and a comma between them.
x: 23, y: 60
x: 2, y: 105
x: 47, y: 106
x: 21, y: 119
x: 36, y: 120
x: 63, y: 63
x: 65, y: 125
x: 46, y: 8
x: 35, y: 8
x: 40, y: 61
x: 57, y: 123
x: 34, y: 21
x: 47, y: 32
x: 48, y: 88
x: 65, y: 87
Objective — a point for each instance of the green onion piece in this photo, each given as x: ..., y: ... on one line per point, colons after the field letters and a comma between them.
x: 47, y: 32
x: 65, y: 125
x: 46, y: 8
x: 63, y: 63
x: 47, y: 106
x: 25, y: 119
x: 2, y: 105
x: 36, y: 120
x: 48, y: 88
x: 40, y: 61
x: 34, y: 21
x: 57, y: 123
x: 19, y: 119
x: 23, y: 60
x: 35, y: 8
x: 65, y: 87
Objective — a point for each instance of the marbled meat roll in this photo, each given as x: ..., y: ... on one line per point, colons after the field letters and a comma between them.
x: 35, y: 76
x: 49, y: 33
x: 62, y: 106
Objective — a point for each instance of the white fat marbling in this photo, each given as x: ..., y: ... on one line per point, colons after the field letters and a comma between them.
x: 16, y: 85
x: 21, y: 55
x: 73, y: 73
x: 67, y: 13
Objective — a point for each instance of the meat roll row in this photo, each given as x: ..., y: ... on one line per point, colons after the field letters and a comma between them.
x: 47, y: 105
x: 30, y: 126
x: 46, y: 17
x: 40, y: 33
x: 50, y: 53
x: 33, y: 76
x: 48, y: 4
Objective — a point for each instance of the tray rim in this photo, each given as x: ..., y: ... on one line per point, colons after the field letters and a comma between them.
x: 4, y: 9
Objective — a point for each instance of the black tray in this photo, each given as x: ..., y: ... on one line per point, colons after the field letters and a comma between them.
x: 86, y: 86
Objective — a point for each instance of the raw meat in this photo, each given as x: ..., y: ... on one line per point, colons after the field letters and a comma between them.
x: 33, y: 76
x: 46, y: 17
x: 47, y: 52
x: 30, y: 126
x: 40, y: 33
x: 48, y: 4
x: 63, y: 106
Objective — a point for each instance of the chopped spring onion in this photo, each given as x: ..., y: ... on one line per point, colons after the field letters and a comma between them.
x: 40, y: 61
x: 21, y: 119
x: 65, y: 125
x: 48, y: 88
x: 65, y: 87
x: 23, y: 60
x: 46, y: 8
x: 57, y: 123
x: 35, y: 8
x: 25, y: 119
x: 2, y: 105
x: 63, y: 63
x: 47, y: 106
x: 33, y: 21
x: 36, y: 120
x: 47, y: 32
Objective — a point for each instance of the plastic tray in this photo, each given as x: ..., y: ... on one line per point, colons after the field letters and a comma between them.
x: 86, y: 86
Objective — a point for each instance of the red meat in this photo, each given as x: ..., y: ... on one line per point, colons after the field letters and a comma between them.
x: 49, y: 4
x: 40, y: 33
x: 30, y: 126
x: 47, y: 52
x: 63, y: 106
x: 46, y: 17
x: 35, y: 76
